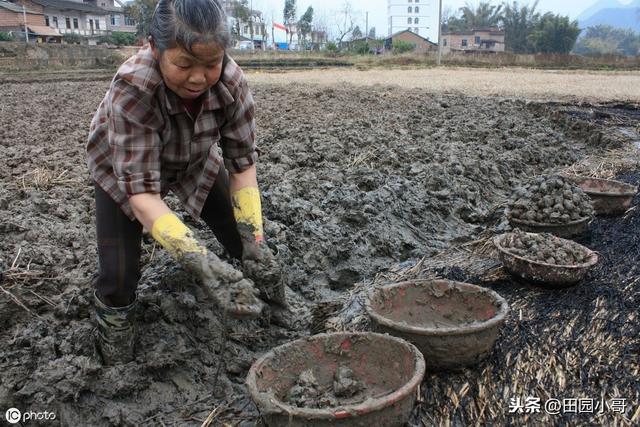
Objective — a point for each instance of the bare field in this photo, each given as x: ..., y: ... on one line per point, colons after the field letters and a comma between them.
x: 362, y: 186
x: 591, y: 86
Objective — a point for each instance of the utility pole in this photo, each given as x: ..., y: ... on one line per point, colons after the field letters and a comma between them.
x: 26, y: 30
x: 440, y: 34
x: 273, y: 32
x: 253, y: 47
x: 366, y: 29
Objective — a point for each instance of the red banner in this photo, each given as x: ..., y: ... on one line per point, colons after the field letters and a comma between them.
x: 280, y: 26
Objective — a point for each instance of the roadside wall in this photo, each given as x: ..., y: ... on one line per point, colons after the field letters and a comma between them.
x: 18, y: 56
x: 505, y: 59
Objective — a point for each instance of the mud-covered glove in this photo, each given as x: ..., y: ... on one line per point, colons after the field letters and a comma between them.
x: 259, y: 263
x: 222, y: 283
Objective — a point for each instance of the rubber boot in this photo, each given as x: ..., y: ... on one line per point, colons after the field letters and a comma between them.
x: 116, y: 332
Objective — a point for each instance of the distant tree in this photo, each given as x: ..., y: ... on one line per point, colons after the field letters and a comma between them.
x: 469, y: 17
x: 554, y: 34
x: 344, y: 22
x: 242, y: 14
x: 518, y: 22
x: 485, y: 15
x: 453, y: 23
x: 360, y: 47
x: 607, y: 40
x: 320, y: 31
x: 72, y: 38
x: 450, y: 20
x: 356, y: 33
x: 142, y: 12
x: 304, y: 24
x: 596, y: 47
x: 401, y: 46
x: 331, y: 47
x: 289, y: 15
x: 6, y: 37
x: 121, y: 38
x: 372, y: 33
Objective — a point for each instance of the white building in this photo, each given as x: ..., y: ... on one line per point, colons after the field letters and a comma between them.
x: 117, y: 20
x: 418, y: 16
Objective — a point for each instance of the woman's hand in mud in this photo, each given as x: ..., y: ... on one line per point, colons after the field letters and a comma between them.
x: 208, y: 267
x: 225, y: 285
x: 257, y: 251
x: 239, y: 299
x: 261, y: 266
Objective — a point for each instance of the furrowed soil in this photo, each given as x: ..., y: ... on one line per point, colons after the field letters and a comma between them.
x: 355, y: 181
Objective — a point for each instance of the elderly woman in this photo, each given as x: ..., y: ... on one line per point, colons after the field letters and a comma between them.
x: 177, y: 117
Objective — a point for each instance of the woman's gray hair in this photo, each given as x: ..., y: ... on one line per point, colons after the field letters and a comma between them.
x: 187, y: 22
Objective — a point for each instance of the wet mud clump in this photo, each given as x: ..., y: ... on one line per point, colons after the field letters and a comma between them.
x: 223, y: 284
x: 344, y: 390
x: 267, y: 276
x: 549, y: 200
x: 434, y: 306
x: 546, y: 248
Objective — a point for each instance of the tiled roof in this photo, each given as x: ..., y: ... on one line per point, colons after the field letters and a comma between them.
x: 43, y: 30
x: 409, y: 31
x: 71, y: 5
x: 14, y: 7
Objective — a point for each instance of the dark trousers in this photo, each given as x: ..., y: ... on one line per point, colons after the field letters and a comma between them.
x: 120, y: 241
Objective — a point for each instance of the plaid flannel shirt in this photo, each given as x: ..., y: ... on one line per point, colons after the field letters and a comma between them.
x: 142, y: 140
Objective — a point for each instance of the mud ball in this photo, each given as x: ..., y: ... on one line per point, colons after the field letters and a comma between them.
x: 307, y: 393
x: 546, y: 248
x: 552, y: 200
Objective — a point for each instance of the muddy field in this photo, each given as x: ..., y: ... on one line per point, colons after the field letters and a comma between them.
x: 358, y: 183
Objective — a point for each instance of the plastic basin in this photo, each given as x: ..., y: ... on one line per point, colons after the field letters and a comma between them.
x: 453, y: 324
x: 569, y: 229
x: 390, y: 368
x: 540, y: 272
x: 609, y: 197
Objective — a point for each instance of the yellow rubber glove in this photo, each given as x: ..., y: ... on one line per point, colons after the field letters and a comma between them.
x: 248, y: 213
x: 175, y: 237
x: 222, y: 283
x: 259, y: 264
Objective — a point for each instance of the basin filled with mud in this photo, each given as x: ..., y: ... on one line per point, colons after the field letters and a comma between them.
x: 609, y: 197
x: 453, y: 324
x: 544, y: 258
x: 550, y: 204
x: 342, y: 379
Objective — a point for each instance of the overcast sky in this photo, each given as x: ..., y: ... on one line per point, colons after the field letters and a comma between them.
x: 326, y: 10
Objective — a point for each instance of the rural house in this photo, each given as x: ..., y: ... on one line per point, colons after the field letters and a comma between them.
x: 479, y: 40
x: 116, y: 20
x: 422, y: 45
x: 242, y: 29
x: 71, y: 16
x: 12, y: 20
